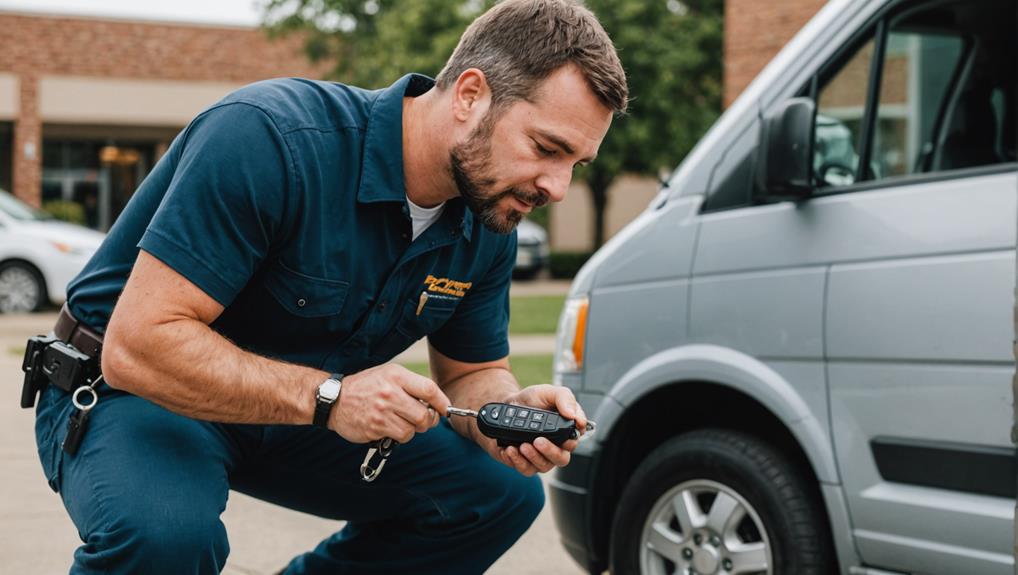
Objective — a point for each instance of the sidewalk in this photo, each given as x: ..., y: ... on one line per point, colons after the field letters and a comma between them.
x: 37, y: 538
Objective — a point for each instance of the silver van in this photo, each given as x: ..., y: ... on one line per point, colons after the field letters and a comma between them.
x: 800, y: 354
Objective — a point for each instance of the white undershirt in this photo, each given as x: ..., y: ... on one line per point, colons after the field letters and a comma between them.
x: 422, y: 218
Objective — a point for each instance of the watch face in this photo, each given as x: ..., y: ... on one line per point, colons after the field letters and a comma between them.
x: 329, y: 390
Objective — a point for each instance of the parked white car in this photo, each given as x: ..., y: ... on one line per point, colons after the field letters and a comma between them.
x: 532, y: 250
x: 39, y: 255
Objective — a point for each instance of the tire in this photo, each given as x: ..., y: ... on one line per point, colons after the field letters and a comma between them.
x: 782, y: 529
x: 22, y: 288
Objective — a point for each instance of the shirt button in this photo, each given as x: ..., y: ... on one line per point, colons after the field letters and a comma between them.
x: 302, y: 302
x: 381, y: 305
x: 405, y: 235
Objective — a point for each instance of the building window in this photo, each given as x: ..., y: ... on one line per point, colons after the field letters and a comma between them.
x: 100, y: 175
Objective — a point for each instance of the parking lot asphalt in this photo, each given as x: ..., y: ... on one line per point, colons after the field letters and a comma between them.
x: 37, y: 537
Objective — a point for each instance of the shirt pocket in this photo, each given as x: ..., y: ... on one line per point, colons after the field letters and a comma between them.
x: 412, y: 326
x: 303, y: 295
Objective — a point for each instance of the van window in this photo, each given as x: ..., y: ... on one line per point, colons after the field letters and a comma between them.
x: 978, y: 124
x: 841, y: 108
x: 919, y: 63
x: 945, y: 99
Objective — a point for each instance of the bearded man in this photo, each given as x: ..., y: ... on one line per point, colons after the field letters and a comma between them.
x: 295, y: 238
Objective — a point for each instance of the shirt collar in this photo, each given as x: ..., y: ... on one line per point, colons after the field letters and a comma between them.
x: 382, y: 167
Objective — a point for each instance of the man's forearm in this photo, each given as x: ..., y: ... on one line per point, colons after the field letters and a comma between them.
x: 475, y: 389
x: 190, y: 369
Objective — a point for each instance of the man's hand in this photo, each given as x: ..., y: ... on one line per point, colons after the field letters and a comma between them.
x: 543, y: 455
x: 386, y: 401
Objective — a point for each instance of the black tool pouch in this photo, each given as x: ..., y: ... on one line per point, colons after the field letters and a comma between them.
x: 51, y: 361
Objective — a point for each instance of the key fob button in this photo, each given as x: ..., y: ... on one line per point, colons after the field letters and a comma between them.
x: 510, y: 411
x: 507, y: 421
x: 538, y: 416
x: 534, y: 425
x: 519, y: 422
x: 523, y: 412
x: 494, y: 413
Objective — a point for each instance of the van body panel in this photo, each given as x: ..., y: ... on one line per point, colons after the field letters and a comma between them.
x: 659, y: 308
x: 845, y: 228
x: 746, y: 374
x: 644, y: 283
x: 841, y: 526
x: 918, y: 340
x: 936, y: 559
x: 765, y: 314
x: 657, y: 248
x: 909, y: 309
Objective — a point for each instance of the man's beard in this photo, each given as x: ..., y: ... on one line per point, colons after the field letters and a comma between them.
x: 470, y: 162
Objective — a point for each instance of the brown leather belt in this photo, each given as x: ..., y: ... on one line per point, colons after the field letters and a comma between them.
x: 82, y: 337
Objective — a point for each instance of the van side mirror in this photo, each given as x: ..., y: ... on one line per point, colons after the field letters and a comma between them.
x: 785, y: 153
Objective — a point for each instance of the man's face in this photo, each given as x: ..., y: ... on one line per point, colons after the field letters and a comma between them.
x: 522, y: 157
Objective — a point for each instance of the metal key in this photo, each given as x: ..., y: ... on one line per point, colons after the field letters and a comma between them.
x: 463, y: 412
x: 78, y: 422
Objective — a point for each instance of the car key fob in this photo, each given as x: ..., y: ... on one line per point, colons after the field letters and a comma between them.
x: 517, y: 424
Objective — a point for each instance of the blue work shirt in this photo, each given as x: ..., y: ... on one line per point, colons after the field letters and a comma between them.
x: 285, y: 202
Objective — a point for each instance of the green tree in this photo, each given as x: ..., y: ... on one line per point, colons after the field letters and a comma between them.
x: 672, y: 53
x: 671, y: 50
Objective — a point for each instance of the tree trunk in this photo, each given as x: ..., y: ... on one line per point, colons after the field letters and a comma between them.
x: 599, y: 182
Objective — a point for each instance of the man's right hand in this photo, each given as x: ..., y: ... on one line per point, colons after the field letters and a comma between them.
x: 387, y: 401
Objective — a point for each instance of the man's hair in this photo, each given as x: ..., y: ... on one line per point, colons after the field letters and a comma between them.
x: 519, y: 43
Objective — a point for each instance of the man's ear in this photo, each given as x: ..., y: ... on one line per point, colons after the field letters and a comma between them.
x: 471, y: 96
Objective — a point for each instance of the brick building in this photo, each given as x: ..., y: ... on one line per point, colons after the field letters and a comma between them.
x: 87, y: 105
x: 755, y: 32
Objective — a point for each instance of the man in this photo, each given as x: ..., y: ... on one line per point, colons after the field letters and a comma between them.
x: 300, y: 234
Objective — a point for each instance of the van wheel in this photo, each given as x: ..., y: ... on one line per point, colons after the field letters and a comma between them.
x: 719, y: 501
x: 21, y: 288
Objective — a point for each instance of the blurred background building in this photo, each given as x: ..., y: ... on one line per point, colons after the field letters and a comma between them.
x: 88, y: 104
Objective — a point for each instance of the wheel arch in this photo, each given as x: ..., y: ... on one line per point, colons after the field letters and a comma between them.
x: 756, y: 400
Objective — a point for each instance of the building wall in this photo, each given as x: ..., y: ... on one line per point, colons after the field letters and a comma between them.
x: 754, y: 33
x: 571, y: 221
x: 95, y: 71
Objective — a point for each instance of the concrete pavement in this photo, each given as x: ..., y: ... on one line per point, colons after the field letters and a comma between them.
x: 36, y: 536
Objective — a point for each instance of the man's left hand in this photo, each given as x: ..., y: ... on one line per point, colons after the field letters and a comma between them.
x: 542, y: 455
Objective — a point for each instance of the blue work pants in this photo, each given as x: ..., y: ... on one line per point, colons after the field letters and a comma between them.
x: 147, y: 488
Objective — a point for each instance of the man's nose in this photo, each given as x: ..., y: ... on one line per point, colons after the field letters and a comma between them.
x: 554, y: 183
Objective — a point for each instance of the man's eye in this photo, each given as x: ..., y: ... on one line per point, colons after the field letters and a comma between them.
x: 544, y: 151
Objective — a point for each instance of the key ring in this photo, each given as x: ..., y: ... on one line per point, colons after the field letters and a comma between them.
x: 78, y: 404
x: 91, y: 389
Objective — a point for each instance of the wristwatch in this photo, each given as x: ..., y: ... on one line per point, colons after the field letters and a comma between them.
x: 325, y: 398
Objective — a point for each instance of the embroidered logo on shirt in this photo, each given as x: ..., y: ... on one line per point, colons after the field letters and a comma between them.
x: 447, y: 286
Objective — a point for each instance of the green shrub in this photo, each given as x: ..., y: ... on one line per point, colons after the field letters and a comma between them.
x: 564, y: 265
x: 65, y: 211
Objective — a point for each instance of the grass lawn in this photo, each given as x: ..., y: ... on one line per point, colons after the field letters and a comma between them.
x: 528, y: 369
x: 535, y: 314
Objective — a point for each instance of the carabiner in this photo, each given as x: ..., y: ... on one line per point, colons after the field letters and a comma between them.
x: 383, y: 447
